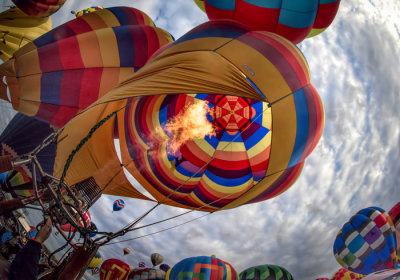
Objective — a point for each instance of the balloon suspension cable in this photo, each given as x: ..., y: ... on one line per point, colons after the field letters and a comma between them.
x: 130, y: 227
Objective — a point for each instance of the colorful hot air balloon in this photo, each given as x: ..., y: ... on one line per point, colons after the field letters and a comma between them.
x: 267, y: 118
x: 146, y: 274
x: 6, y: 236
x: 367, y: 242
x: 88, y: 10
x: 265, y: 272
x: 62, y: 72
x: 127, y: 251
x: 113, y: 269
x: 344, y: 274
x: 95, y: 270
x: 164, y: 267
x: 118, y: 205
x: 322, y: 279
x: 39, y: 8
x: 31, y: 234
x: 142, y: 264
x: 387, y: 274
x: 394, y: 213
x: 96, y: 261
x: 156, y: 259
x: 17, y: 29
x: 202, y: 268
x: 294, y: 20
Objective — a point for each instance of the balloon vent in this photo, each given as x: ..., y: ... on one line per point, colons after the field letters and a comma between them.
x: 88, y: 191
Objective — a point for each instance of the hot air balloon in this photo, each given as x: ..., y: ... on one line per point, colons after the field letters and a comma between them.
x: 88, y: 10
x: 126, y: 251
x: 146, y: 274
x: 39, y: 8
x: 256, y: 87
x: 202, y: 268
x: 96, y: 261
x: 156, y: 259
x: 106, y: 46
x: 322, y: 279
x: 113, y: 269
x: 344, y: 274
x: 387, y: 274
x: 118, y: 205
x: 95, y: 270
x: 6, y: 236
x: 265, y: 272
x: 164, y: 267
x: 394, y: 213
x: 142, y: 264
x: 17, y: 29
x: 294, y: 20
x: 367, y: 242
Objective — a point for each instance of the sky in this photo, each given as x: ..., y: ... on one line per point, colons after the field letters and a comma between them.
x: 354, y: 66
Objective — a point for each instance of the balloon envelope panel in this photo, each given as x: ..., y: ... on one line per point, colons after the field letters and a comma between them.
x: 344, y: 274
x: 367, y: 243
x: 39, y: 8
x: 387, y: 274
x: 112, y: 269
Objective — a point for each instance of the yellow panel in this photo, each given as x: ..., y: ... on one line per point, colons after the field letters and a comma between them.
x: 31, y: 101
x: 29, y: 63
x: 260, y: 146
x: 102, y: 19
x: 263, y: 73
x: 227, y: 190
x: 108, y: 48
x: 284, y: 124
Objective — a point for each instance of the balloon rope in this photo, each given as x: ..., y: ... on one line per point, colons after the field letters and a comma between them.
x: 137, y: 237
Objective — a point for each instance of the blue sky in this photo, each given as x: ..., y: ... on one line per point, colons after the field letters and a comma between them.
x: 354, y: 66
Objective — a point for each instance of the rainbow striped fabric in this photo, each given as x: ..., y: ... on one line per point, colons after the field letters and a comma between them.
x: 266, y: 272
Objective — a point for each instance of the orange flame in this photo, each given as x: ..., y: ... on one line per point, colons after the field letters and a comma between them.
x: 189, y: 124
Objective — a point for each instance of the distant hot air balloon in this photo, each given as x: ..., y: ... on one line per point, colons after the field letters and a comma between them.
x: 156, y: 259
x: 367, y: 242
x: 95, y: 270
x: 126, y: 251
x: 96, y: 261
x: 88, y: 10
x: 294, y: 20
x: 344, y: 274
x: 142, y: 264
x: 39, y: 8
x: 204, y: 267
x: 113, y: 269
x: 387, y: 274
x: 17, y: 29
x: 264, y: 127
x: 118, y: 205
x: 394, y: 213
x: 164, y: 267
x: 265, y: 272
x: 106, y: 46
x: 146, y: 274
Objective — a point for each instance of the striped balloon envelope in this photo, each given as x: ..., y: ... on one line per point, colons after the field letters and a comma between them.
x: 266, y: 272
x: 39, y: 8
x: 256, y: 89
x: 113, y: 269
x: 204, y: 267
x: 344, y: 274
x: 17, y: 29
x: 62, y: 72
x: 294, y: 20
x: 146, y: 274
x: 387, y: 274
x: 367, y: 242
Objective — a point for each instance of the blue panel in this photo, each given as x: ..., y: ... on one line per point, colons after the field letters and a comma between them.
x: 188, y: 173
x: 258, y: 107
x: 212, y: 140
x: 228, y: 182
x: 256, y: 137
x: 222, y: 4
x: 298, y: 14
x: 327, y: 1
x: 269, y: 4
x: 125, y: 46
x: 301, y: 125
x: 120, y: 15
x: 50, y: 85
x: 231, y: 138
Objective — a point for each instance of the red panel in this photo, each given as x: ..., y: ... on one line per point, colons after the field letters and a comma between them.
x: 257, y: 18
x: 90, y: 85
x: 326, y: 14
x: 70, y: 54
x: 296, y: 35
x: 214, y: 13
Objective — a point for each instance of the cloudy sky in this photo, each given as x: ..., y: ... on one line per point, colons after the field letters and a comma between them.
x: 355, y: 66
